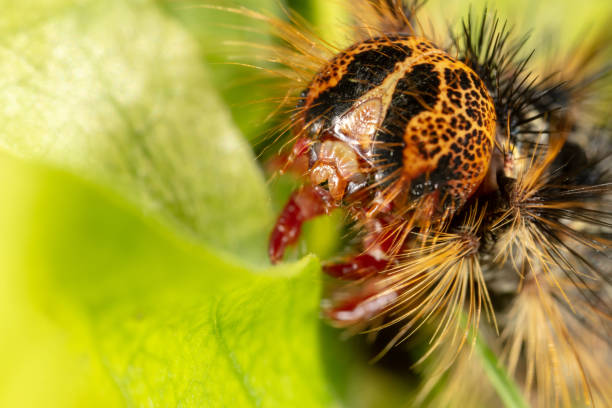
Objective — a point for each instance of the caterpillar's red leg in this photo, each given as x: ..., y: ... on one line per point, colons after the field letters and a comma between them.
x: 359, y: 307
x: 304, y: 204
x: 294, y: 162
x: 375, y: 259
x: 358, y: 304
x: 357, y: 267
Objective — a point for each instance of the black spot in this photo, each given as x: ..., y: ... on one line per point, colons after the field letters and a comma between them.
x: 457, y: 161
x: 464, y: 80
x: 446, y: 109
x: 422, y: 150
x: 472, y: 113
x: 482, y: 90
x: 454, y: 97
x: 423, y: 46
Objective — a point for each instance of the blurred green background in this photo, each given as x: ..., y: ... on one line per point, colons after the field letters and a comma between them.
x: 134, y: 214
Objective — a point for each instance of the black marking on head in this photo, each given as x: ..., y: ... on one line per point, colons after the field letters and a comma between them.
x: 367, y: 70
x: 421, y: 80
x: 449, y: 168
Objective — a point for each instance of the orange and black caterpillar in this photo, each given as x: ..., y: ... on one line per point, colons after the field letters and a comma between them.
x: 465, y: 177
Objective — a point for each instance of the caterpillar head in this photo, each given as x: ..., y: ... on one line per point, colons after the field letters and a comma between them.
x: 402, y: 117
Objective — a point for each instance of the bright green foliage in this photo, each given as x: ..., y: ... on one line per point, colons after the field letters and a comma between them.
x: 116, y: 91
x: 103, y: 305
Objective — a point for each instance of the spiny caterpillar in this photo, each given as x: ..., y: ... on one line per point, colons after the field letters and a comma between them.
x: 466, y: 180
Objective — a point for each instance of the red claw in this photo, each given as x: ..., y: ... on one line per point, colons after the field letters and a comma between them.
x: 297, y: 161
x: 360, y: 266
x: 360, y: 307
x: 304, y: 204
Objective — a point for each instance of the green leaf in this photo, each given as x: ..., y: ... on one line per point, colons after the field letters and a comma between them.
x: 117, y: 92
x: 103, y: 305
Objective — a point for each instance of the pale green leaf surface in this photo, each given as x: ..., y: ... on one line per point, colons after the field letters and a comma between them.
x: 116, y: 91
x: 102, y: 306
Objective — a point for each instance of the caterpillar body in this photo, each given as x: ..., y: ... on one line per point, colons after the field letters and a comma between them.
x: 466, y: 178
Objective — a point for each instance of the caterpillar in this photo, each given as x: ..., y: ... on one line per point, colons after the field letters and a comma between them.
x: 472, y: 188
